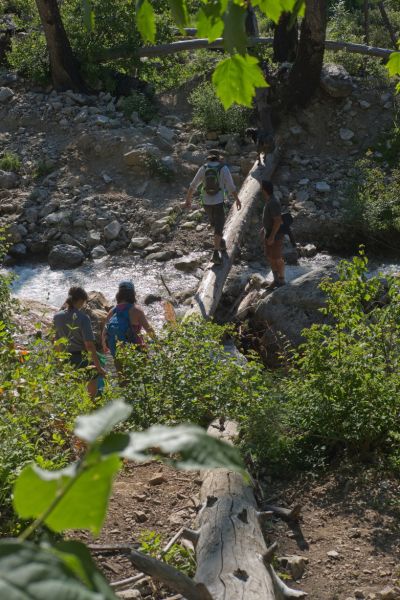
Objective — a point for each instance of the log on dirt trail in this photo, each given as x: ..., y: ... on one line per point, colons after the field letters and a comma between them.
x: 233, y: 561
x: 209, y: 293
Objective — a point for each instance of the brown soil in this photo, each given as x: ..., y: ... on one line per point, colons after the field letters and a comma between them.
x: 355, y: 513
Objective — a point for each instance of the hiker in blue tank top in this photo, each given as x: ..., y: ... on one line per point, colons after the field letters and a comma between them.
x: 125, y: 321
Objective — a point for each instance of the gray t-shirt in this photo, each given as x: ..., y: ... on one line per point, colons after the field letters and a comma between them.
x: 225, y: 182
x: 76, y: 327
x: 272, y: 209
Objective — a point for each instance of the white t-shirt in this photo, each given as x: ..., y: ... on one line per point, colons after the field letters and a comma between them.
x: 225, y: 182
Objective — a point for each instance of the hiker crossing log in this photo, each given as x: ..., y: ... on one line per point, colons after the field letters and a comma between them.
x: 209, y: 293
x: 233, y: 560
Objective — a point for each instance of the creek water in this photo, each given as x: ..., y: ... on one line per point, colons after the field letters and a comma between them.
x: 36, y: 281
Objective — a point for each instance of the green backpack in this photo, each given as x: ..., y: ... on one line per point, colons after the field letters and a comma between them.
x: 211, y: 179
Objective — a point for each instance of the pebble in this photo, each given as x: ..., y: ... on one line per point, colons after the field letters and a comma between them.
x: 346, y: 134
x: 157, y: 479
x: 140, y: 516
x: 333, y: 554
x: 322, y: 186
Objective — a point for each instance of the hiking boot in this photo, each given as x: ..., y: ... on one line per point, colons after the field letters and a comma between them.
x: 216, y: 259
x: 223, y: 245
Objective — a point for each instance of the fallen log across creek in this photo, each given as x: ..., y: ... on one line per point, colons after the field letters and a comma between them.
x: 233, y: 560
x: 209, y: 292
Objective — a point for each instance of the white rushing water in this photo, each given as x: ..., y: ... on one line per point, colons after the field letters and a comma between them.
x: 36, y: 281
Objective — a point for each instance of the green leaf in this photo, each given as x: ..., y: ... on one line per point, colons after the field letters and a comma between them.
x: 88, y: 15
x: 393, y: 64
x: 83, y: 505
x: 274, y: 8
x: 28, y: 572
x: 235, y: 37
x: 236, y: 79
x: 179, y: 12
x: 78, y: 558
x: 196, y: 449
x: 99, y: 423
x: 145, y: 19
x: 209, y: 25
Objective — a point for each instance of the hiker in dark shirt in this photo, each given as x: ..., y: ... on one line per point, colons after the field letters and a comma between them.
x: 271, y: 234
x: 74, y: 325
x: 216, y: 179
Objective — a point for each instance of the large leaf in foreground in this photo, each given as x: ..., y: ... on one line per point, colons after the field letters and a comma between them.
x: 102, y: 421
x: 236, y: 79
x: 84, y: 504
x: 145, y: 19
x: 28, y: 572
x: 194, y: 447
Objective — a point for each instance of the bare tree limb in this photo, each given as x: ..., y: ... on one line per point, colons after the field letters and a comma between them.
x: 287, y: 514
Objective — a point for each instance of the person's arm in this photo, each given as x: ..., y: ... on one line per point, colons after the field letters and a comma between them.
x: 143, y: 322
x: 88, y: 338
x: 91, y: 349
x: 103, y: 333
x: 277, y: 222
x: 198, y: 178
x: 230, y: 186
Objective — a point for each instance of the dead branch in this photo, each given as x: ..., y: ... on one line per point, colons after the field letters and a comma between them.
x: 287, y: 514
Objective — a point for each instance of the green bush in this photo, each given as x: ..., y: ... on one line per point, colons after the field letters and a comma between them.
x: 186, y: 375
x: 374, y: 201
x: 140, y: 103
x: 40, y: 397
x: 29, y: 57
x: 210, y: 115
x: 10, y: 162
x: 344, y: 391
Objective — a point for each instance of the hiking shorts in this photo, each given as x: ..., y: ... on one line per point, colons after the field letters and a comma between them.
x: 216, y: 216
x: 79, y: 361
x: 274, y: 252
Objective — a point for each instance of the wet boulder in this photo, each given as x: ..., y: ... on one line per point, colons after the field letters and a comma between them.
x: 64, y: 256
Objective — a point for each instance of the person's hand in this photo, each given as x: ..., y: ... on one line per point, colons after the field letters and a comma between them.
x: 238, y: 204
x: 270, y: 241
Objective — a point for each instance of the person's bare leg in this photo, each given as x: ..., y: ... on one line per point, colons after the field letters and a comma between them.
x: 92, y: 388
x: 217, y: 241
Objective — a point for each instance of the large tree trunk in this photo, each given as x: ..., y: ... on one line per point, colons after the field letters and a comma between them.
x: 251, y: 22
x: 285, y: 39
x: 63, y: 65
x: 210, y: 289
x: 306, y: 72
x: 366, y: 21
x: 233, y: 561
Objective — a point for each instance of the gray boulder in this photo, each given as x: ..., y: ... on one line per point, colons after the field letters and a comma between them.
x: 98, y: 252
x: 112, y: 230
x: 139, y: 243
x: 64, y: 256
x: 8, y: 180
x: 290, y: 309
x: 5, y: 94
x: 336, y: 81
x: 187, y: 264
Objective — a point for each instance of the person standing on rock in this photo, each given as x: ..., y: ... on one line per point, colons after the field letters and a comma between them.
x: 72, y: 324
x: 216, y: 179
x: 272, y: 235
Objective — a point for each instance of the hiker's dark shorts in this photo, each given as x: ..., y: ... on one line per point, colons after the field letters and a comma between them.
x: 274, y: 251
x: 216, y: 216
x: 79, y: 361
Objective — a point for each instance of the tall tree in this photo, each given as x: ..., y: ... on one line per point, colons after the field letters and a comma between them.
x: 305, y: 75
x: 63, y: 64
x: 285, y: 38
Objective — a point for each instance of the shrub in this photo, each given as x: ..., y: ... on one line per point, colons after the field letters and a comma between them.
x: 40, y: 397
x: 140, y: 103
x: 29, y: 57
x: 210, y: 115
x: 10, y: 162
x: 344, y: 391
x: 374, y: 200
x: 186, y: 375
